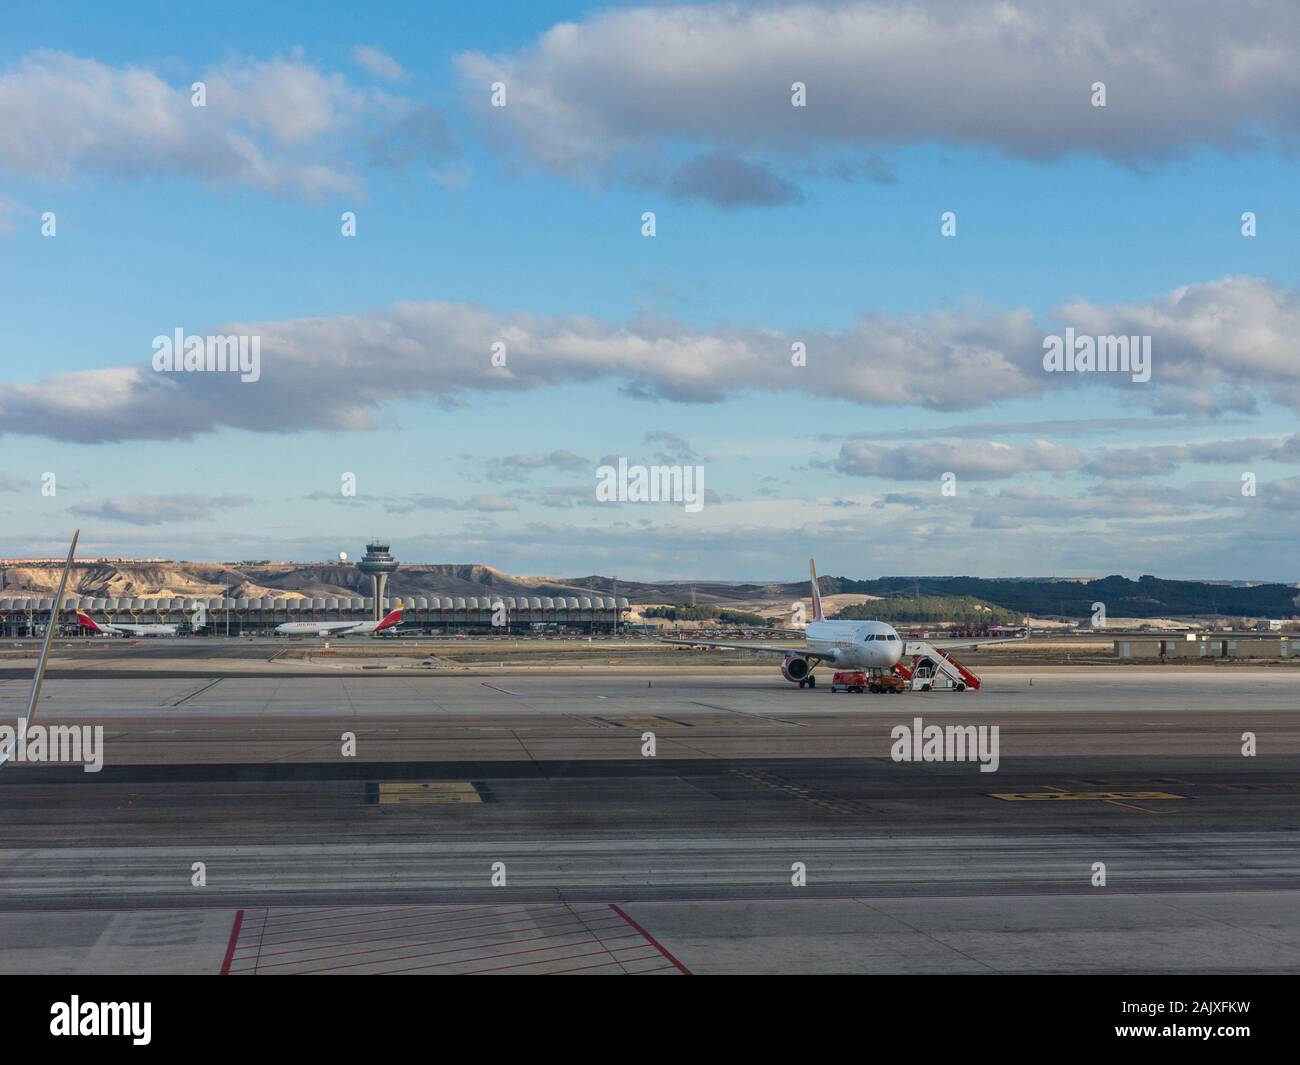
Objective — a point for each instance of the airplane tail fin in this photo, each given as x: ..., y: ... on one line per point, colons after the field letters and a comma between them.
x: 87, y: 622
x: 817, y: 614
x: 393, y: 617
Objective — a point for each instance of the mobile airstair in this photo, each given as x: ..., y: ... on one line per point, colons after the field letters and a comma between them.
x: 936, y: 670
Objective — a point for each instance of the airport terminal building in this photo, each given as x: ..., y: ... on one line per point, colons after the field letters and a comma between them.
x: 430, y: 615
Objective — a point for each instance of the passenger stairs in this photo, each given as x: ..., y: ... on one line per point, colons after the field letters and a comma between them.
x: 932, y: 667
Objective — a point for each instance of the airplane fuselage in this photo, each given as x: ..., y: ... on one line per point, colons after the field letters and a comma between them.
x: 855, y: 644
x: 138, y: 630
x: 340, y: 628
x: 126, y: 629
x: 306, y: 628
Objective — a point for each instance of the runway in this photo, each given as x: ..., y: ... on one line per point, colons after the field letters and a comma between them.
x: 769, y: 831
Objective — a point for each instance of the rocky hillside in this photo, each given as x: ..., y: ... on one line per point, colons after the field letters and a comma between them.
x: 1146, y: 597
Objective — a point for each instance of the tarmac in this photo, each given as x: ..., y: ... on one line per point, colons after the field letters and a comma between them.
x: 515, y: 820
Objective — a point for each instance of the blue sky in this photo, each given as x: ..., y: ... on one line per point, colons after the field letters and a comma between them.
x: 477, y: 223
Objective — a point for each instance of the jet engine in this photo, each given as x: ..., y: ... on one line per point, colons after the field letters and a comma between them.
x: 795, y: 668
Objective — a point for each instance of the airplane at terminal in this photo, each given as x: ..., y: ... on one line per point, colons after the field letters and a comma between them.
x: 846, y: 645
x: 342, y: 628
x: 123, y: 629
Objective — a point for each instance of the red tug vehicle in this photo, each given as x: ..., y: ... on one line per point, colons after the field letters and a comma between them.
x: 874, y: 681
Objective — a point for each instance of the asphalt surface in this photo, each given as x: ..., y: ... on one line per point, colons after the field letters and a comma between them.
x: 770, y: 831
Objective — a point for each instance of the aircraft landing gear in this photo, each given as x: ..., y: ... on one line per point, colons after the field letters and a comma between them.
x: 808, y: 682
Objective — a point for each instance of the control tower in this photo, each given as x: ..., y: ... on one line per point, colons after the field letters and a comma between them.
x: 378, y: 564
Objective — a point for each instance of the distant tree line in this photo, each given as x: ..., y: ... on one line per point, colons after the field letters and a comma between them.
x: 702, y: 613
x: 963, y: 610
x: 1146, y: 597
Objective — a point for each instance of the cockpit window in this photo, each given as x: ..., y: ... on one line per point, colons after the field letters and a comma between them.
x: 891, y: 636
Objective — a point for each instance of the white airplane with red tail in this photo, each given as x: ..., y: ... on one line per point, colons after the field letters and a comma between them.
x: 342, y: 628
x: 121, y: 628
x: 857, y: 645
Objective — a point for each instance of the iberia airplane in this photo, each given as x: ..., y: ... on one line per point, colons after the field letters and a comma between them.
x: 123, y: 629
x: 341, y: 628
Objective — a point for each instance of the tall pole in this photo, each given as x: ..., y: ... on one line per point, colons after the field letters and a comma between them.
x: 38, y: 679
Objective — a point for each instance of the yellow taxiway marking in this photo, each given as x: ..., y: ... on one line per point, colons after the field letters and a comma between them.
x: 443, y: 791
x: 1095, y: 796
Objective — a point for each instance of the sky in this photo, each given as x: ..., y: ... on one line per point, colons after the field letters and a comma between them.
x: 869, y: 219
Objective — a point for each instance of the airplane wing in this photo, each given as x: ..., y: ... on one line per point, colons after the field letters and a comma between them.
x: 946, y: 645
x: 767, y: 648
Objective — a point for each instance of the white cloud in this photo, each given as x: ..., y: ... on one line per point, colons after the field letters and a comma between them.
x: 518, y: 467
x: 278, y: 125
x: 617, y: 89
x: 379, y: 63
x: 158, y: 509
x: 341, y: 373
x: 976, y: 461
x: 1152, y: 459
x: 675, y: 448
x: 1216, y: 345
x: 483, y: 504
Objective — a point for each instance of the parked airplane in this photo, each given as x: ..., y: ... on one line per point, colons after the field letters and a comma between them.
x: 123, y: 629
x: 845, y: 645
x: 341, y: 628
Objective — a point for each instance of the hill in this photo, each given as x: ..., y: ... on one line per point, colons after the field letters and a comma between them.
x: 1146, y: 597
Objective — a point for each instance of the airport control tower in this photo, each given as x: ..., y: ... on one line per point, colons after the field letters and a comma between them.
x: 378, y: 564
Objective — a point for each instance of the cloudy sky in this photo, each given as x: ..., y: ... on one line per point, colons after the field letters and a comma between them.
x: 521, y: 227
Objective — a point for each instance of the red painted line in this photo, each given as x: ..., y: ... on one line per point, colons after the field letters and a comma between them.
x: 650, y: 939
x: 230, y: 946
x: 496, y: 689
